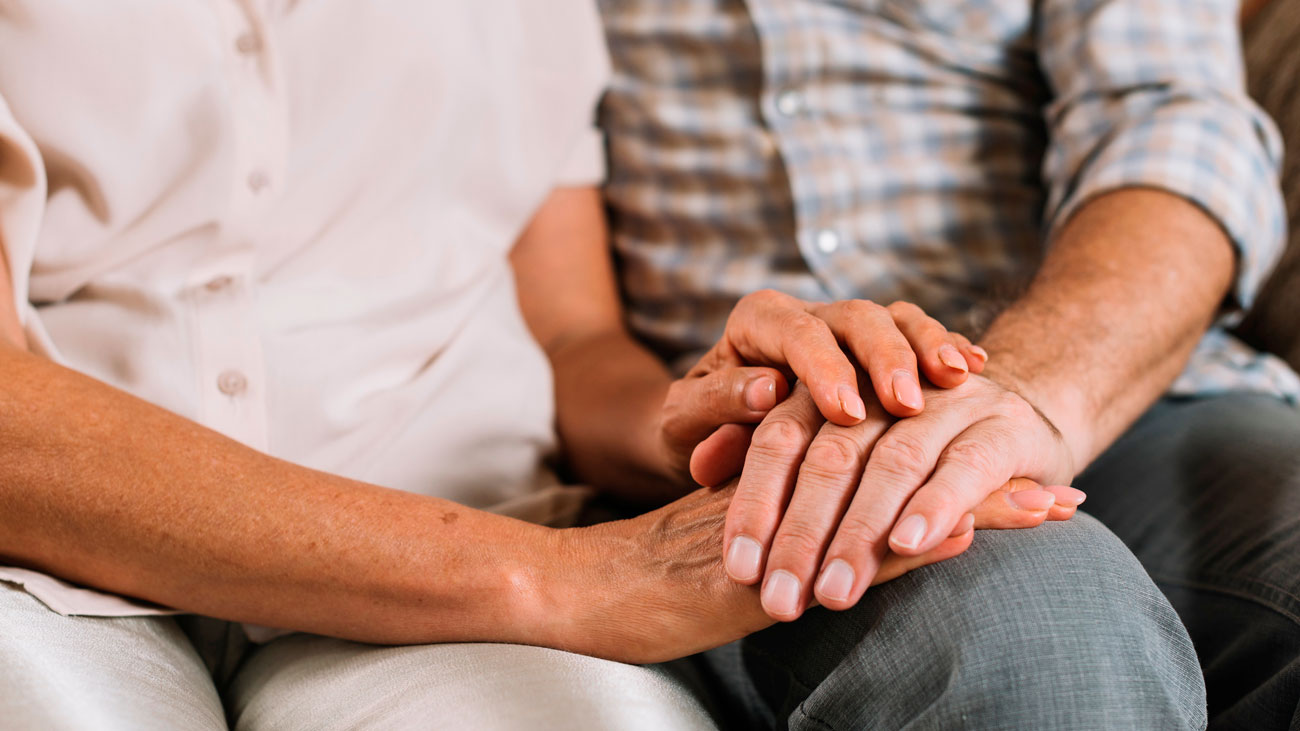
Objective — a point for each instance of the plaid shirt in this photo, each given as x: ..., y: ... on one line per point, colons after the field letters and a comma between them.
x: 920, y: 150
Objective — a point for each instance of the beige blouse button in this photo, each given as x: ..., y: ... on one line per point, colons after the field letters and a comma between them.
x: 232, y: 383
x: 216, y: 284
x: 248, y: 43
x: 257, y: 181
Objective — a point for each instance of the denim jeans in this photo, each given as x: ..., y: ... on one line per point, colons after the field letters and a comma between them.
x: 1052, y: 628
x: 1058, y: 627
x: 1206, y: 493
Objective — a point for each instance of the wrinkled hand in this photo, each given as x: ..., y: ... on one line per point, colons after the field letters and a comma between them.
x: 770, y: 336
x: 653, y: 588
x: 819, y: 506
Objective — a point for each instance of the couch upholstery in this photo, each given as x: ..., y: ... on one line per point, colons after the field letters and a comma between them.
x: 1272, y: 38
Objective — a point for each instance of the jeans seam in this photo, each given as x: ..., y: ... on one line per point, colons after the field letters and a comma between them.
x: 1246, y: 590
x: 772, y: 658
x: 820, y: 723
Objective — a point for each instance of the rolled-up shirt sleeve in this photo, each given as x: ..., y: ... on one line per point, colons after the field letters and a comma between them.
x: 1150, y: 93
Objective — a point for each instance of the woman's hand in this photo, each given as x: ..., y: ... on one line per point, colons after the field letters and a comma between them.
x: 653, y: 588
x: 772, y: 336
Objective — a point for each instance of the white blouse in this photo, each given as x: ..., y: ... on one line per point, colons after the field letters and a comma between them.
x: 289, y: 220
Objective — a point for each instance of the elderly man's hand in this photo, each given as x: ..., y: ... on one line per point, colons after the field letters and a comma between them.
x: 819, y: 506
x: 770, y: 336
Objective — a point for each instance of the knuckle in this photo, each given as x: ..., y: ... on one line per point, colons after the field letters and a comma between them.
x: 771, y: 299
x: 834, y: 453
x: 905, y: 310
x: 858, y: 532
x: 799, y: 542
x: 780, y: 435
x: 751, y: 510
x: 902, y: 453
x: 720, y: 389
x: 1011, y: 405
x: 805, y: 323
x: 861, y: 308
x: 897, y: 356
x: 976, y: 455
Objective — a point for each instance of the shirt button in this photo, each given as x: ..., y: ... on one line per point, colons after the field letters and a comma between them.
x: 248, y: 43
x: 232, y: 383
x: 216, y: 284
x: 257, y: 181
x: 789, y: 102
x: 828, y: 241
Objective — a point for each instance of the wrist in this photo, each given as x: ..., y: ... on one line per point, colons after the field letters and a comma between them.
x: 569, y: 603
x: 1063, y: 406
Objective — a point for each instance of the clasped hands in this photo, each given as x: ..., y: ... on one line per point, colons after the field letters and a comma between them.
x: 837, y: 491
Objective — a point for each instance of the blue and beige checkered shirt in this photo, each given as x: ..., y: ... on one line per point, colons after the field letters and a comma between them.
x: 920, y: 150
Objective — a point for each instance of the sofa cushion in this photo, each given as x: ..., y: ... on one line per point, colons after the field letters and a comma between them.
x: 1273, y: 68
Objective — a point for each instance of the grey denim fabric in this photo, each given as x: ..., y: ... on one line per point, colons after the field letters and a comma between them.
x: 1206, y: 493
x: 1057, y: 627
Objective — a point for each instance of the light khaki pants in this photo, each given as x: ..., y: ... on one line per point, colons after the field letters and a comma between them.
x: 145, y: 673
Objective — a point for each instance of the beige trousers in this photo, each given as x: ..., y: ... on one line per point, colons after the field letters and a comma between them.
x: 79, y: 673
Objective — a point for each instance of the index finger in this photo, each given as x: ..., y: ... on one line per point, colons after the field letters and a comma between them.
x: 771, y: 328
x: 766, y: 481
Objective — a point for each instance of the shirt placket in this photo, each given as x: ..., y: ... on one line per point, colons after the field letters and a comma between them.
x: 793, y: 64
x: 231, y: 369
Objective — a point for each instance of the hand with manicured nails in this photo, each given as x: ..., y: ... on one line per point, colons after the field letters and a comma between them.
x: 819, y: 506
x: 707, y: 415
x: 653, y: 588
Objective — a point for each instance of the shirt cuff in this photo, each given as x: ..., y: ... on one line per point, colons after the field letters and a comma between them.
x: 1220, y: 154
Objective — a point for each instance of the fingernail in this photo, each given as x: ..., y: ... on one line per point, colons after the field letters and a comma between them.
x: 1067, y: 496
x: 965, y: 525
x: 852, y: 403
x: 907, y: 390
x: 760, y: 394
x: 781, y: 593
x: 743, y: 558
x: 910, y: 532
x: 836, y: 580
x: 982, y: 353
x: 953, y: 358
x: 1034, y: 500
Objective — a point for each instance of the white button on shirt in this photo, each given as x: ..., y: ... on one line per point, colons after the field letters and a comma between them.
x: 828, y: 241
x: 789, y: 102
x: 290, y: 221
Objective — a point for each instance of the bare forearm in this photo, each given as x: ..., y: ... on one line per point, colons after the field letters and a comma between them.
x: 1112, y: 316
x: 104, y: 489
x: 610, y: 392
x: 609, y: 389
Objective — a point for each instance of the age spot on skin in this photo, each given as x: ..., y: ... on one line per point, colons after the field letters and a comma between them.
x: 449, y: 518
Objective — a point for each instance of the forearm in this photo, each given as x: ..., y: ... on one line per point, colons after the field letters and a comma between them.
x: 1109, y: 321
x: 609, y: 389
x: 610, y: 393
x: 106, y: 490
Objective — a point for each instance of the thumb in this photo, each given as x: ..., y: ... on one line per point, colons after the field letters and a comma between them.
x: 697, y: 405
x: 721, y: 456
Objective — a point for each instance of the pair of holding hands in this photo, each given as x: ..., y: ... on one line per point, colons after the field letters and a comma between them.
x: 836, y: 491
